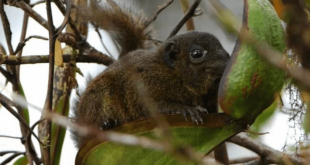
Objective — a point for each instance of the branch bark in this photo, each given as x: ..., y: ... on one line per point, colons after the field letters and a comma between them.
x: 38, y: 59
x: 45, y: 126
x: 77, y: 41
x: 30, y: 152
x: 6, y: 103
x: 190, y: 23
x: 189, y: 14
x: 271, y: 155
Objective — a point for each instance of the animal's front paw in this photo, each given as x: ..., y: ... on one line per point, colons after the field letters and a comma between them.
x: 109, y: 124
x: 194, y: 112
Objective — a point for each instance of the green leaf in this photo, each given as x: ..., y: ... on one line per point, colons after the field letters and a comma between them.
x: 203, y: 137
x: 263, y: 118
x: 25, y: 114
x: 61, y: 98
x: 58, y: 133
x: 21, y: 161
x: 250, y: 84
x: 306, y: 122
x: 307, y: 3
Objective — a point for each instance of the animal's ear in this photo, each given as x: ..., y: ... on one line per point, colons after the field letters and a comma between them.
x: 169, y: 54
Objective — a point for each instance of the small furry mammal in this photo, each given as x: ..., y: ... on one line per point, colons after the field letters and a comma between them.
x: 181, y: 75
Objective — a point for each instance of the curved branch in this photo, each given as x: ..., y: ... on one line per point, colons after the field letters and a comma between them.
x: 6, y: 27
x: 84, y: 47
x: 21, y: 44
x: 158, y: 11
x: 9, y: 159
x: 5, y: 102
x: 76, y: 42
x: 66, y: 19
x: 189, y: 14
x: 271, y: 155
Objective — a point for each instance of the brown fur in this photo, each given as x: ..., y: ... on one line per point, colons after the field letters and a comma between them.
x: 125, y: 23
x: 112, y: 98
x: 173, y: 82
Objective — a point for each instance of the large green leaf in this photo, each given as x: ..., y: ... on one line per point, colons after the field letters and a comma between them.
x: 250, y: 84
x: 61, y: 94
x: 203, y: 137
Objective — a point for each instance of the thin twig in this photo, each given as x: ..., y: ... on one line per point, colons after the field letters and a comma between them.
x: 86, y: 48
x: 80, y: 38
x: 256, y: 133
x: 2, y: 50
x: 7, y: 152
x: 22, y: 38
x: 6, y: 103
x: 66, y: 18
x: 243, y: 160
x: 158, y: 11
x: 33, y: 14
x: 5, y: 73
x: 77, y: 41
x: 9, y: 159
x: 21, y: 45
x: 190, y: 13
x: 37, y: 3
x: 11, y: 137
x: 190, y: 23
x: 27, y: 138
x: 6, y: 27
x: 15, y: 82
x: 101, y: 40
x: 30, y: 151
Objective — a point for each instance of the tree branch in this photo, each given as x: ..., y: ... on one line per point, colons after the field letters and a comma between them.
x: 12, y: 137
x: 189, y: 14
x: 78, y: 35
x: 38, y: 59
x: 77, y: 41
x: 21, y: 40
x: 16, y: 85
x: 45, y: 126
x: 271, y: 155
x: 22, y: 43
x: 66, y: 19
x: 6, y: 27
x: 158, y: 11
x: 9, y: 159
x: 5, y: 73
x: 190, y: 22
x: 6, y: 103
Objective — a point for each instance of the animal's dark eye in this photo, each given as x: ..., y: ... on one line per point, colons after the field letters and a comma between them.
x: 197, y: 53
